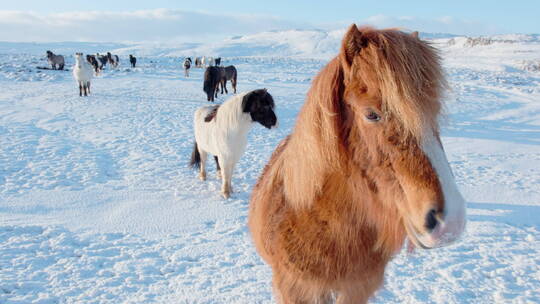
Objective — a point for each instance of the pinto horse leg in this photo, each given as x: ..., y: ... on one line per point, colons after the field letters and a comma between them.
x: 80, y: 89
x: 226, y: 175
x: 88, y: 86
x: 202, y: 172
x: 218, y: 168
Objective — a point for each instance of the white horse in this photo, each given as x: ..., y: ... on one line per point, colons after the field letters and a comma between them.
x: 82, y: 72
x: 222, y: 131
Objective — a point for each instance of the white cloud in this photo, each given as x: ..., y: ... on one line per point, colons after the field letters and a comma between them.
x: 173, y: 25
x: 142, y: 25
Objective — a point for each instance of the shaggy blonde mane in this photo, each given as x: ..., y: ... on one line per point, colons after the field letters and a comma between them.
x: 409, y: 81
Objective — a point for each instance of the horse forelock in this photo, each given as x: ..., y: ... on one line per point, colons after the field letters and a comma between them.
x: 407, y: 74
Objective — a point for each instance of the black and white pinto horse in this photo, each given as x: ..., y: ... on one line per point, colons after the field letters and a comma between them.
x: 228, y: 73
x: 113, y: 60
x: 93, y: 62
x: 222, y: 131
x: 212, y: 79
x: 132, y: 60
x: 102, y: 60
x: 187, y: 66
x: 55, y: 60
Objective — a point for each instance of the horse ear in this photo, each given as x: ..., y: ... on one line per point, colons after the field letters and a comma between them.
x: 352, y: 44
x: 415, y: 35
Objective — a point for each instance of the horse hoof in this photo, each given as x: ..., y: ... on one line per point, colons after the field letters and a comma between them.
x: 218, y: 174
x: 202, y: 177
x: 226, y: 195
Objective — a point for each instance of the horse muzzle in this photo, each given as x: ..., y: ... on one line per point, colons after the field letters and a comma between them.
x: 438, y: 232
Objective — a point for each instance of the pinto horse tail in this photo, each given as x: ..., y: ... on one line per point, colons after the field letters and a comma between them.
x: 195, y: 157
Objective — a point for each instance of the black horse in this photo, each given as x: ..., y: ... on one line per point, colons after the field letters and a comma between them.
x: 218, y: 61
x: 132, y: 60
x: 212, y: 79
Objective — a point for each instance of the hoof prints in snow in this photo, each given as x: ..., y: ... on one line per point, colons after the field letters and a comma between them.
x: 54, y: 265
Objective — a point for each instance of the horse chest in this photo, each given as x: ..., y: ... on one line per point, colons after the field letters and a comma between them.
x: 325, y: 245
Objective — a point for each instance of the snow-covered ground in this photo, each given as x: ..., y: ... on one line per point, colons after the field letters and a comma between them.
x: 98, y: 205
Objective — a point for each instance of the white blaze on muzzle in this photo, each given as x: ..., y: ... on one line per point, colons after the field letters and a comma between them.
x: 451, y: 225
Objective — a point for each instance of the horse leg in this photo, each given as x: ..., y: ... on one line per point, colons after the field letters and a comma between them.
x: 88, y: 86
x: 225, y: 86
x: 85, y: 88
x: 233, y: 82
x: 293, y: 290
x: 218, y: 168
x: 226, y: 175
x: 202, y: 172
x: 80, y: 88
x: 61, y: 67
x: 360, y: 291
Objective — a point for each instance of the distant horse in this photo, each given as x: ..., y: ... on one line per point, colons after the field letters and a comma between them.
x: 362, y: 169
x: 212, y: 79
x: 132, y: 60
x: 113, y: 60
x: 187, y: 66
x: 218, y: 61
x: 82, y: 72
x: 93, y: 62
x: 210, y: 61
x: 102, y: 60
x: 55, y: 60
x: 228, y: 73
x: 222, y: 131
x: 198, y: 62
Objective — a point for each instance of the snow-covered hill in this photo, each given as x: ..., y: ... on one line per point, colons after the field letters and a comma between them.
x: 292, y: 43
x: 97, y: 204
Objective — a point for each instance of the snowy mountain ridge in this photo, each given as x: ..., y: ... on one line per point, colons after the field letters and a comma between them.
x: 296, y: 43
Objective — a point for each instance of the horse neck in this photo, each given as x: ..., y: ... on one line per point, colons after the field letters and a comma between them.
x: 314, y: 176
x: 231, y: 115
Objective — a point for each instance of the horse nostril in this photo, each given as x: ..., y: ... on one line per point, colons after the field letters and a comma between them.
x: 431, y: 220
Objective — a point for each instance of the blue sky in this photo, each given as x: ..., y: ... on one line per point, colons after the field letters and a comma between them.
x: 37, y: 19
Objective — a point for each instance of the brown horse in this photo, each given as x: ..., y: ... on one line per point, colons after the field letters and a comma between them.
x: 228, y: 73
x: 363, y: 169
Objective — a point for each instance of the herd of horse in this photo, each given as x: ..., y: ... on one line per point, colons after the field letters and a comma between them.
x: 362, y: 171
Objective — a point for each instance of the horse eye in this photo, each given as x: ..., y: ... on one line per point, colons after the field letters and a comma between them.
x: 372, y: 116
